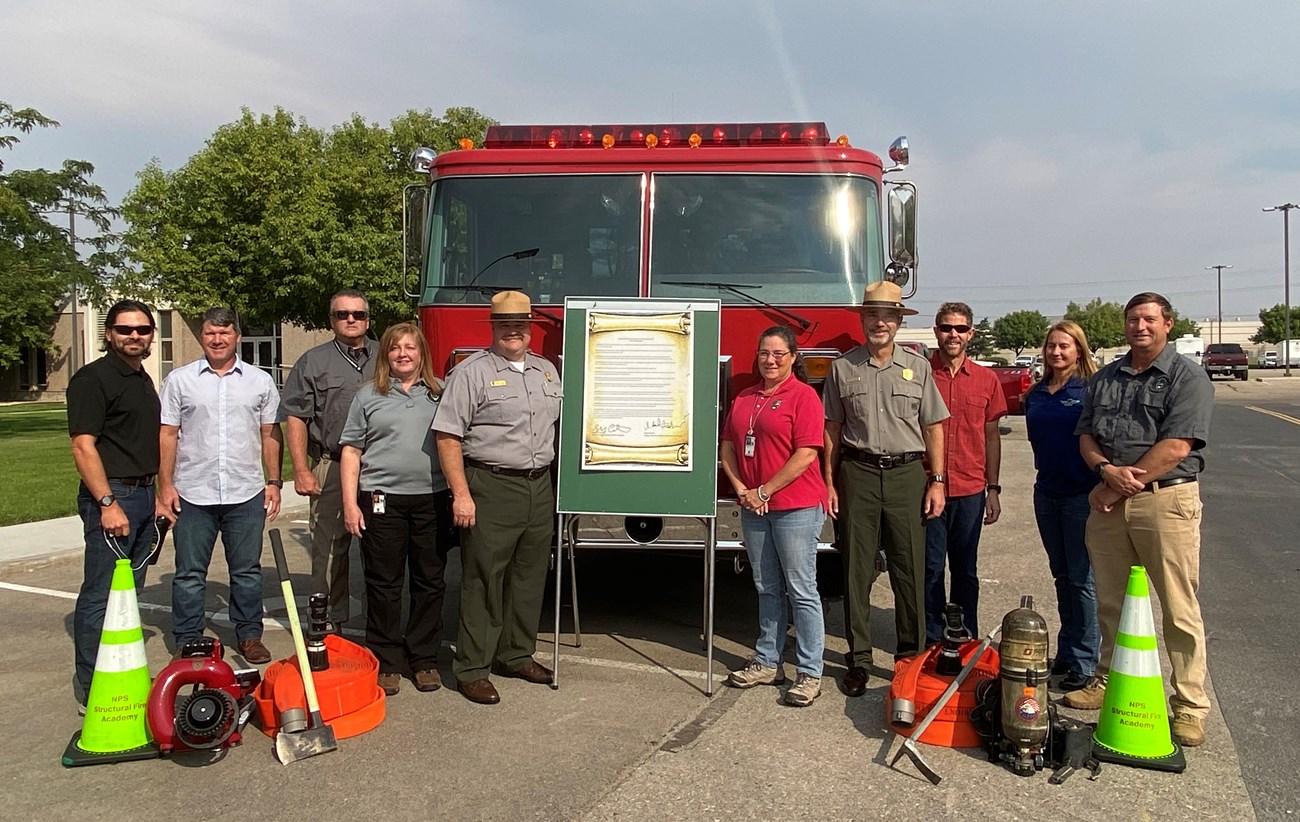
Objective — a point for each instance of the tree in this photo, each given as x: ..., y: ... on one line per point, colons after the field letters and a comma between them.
x: 1272, y: 324
x: 1103, y: 323
x: 38, y: 263
x: 1183, y: 327
x: 982, y: 344
x: 1020, y: 330
x: 273, y: 215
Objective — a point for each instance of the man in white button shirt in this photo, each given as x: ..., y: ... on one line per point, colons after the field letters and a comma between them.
x: 218, y: 430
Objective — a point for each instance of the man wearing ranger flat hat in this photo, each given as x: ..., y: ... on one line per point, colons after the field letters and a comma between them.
x: 883, y: 414
x: 495, y: 431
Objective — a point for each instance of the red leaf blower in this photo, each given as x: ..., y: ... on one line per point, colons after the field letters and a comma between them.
x: 212, y: 715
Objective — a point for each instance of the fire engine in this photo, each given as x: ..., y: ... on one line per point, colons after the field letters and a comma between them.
x: 779, y: 221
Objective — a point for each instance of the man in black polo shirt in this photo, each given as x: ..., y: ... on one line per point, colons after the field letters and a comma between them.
x: 113, y: 417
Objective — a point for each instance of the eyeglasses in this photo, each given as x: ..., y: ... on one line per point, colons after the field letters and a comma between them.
x: 125, y: 330
x: 773, y: 355
x: 356, y: 315
x: 948, y: 328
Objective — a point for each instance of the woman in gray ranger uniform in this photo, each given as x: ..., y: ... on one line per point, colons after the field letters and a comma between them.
x: 391, y: 481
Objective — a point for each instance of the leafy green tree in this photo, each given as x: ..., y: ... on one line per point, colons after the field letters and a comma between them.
x: 1020, y: 330
x: 1272, y: 324
x: 982, y: 345
x: 1184, y: 326
x: 274, y: 215
x: 38, y: 262
x: 1102, y: 322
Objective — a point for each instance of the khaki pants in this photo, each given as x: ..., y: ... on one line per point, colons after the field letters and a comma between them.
x: 1160, y: 530
x: 330, y: 541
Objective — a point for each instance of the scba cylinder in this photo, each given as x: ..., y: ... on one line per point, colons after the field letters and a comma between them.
x: 1024, y: 672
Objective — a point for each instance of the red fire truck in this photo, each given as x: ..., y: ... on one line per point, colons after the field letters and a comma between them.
x: 779, y: 221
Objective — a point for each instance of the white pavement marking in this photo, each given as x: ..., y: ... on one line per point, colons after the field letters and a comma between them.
x: 270, y: 622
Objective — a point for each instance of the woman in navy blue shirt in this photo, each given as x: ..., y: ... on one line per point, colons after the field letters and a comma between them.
x: 1052, y: 409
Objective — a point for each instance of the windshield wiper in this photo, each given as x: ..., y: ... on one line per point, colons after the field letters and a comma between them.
x: 735, y: 288
x: 493, y: 290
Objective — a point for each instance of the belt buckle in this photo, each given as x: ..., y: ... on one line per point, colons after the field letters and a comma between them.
x: 888, y: 461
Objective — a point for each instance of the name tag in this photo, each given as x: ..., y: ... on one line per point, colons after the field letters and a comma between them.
x: 498, y: 383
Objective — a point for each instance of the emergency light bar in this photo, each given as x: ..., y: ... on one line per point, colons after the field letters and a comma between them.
x: 680, y: 135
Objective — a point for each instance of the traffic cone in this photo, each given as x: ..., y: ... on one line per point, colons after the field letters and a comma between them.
x: 115, y: 729
x: 1133, y: 728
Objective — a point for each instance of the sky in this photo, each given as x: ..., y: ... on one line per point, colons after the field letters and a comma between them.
x: 1063, y: 150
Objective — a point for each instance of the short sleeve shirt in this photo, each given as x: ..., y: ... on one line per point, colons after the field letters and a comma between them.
x: 1128, y: 412
x: 974, y: 397
x: 504, y: 417
x: 882, y: 407
x: 320, y: 389
x: 118, y: 406
x: 788, y: 418
x: 1050, y: 420
x: 398, y: 454
x: 220, y: 417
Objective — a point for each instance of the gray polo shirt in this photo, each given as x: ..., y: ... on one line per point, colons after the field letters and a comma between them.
x: 882, y: 407
x: 320, y: 389
x: 220, y: 416
x: 504, y: 417
x: 1127, y: 411
x: 398, y: 455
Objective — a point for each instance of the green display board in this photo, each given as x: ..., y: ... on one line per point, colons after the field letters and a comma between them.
x: 639, y: 423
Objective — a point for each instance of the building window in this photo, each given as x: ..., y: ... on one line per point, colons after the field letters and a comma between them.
x: 167, y: 360
x: 260, y: 346
x: 33, y: 369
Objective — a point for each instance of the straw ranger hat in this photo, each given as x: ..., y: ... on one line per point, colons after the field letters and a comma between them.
x: 884, y: 294
x: 511, y: 306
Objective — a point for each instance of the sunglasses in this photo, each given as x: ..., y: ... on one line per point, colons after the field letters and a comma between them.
x: 948, y: 328
x: 125, y: 330
x: 356, y: 315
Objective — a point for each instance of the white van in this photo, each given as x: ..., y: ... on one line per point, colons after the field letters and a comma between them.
x: 1193, y: 348
x: 1295, y: 353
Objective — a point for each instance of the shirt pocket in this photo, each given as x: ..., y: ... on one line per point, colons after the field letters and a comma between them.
x: 856, y: 399
x: 974, y: 410
x: 905, y: 400
x: 553, y: 394
x: 499, y: 404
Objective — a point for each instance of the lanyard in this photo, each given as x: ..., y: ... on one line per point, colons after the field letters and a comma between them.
x: 351, y: 361
x: 762, y: 403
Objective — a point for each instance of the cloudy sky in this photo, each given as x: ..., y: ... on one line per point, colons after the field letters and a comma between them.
x: 1064, y: 150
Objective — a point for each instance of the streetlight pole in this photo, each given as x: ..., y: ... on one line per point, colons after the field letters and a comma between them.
x: 1286, y: 209
x: 1219, y: 271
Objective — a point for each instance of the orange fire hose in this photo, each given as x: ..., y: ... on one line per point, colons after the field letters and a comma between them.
x: 351, y: 701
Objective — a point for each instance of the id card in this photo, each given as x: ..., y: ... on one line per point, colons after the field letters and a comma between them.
x: 377, y: 505
x: 749, y: 445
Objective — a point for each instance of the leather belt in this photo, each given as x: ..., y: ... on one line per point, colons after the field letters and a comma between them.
x: 335, y: 456
x: 140, y: 482
x: 1158, y: 484
x: 526, y: 473
x: 883, y: 461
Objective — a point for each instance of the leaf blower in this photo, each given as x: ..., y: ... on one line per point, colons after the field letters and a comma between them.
x: 212, y: 715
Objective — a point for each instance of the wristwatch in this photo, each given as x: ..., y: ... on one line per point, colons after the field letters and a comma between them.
x: 1101, y: 468
x: 994, y: 487
x: 941, y: 478
x: 107, y: 500
x: 275, y: 483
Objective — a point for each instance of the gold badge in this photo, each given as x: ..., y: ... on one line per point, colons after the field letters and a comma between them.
x: 498, y: 383
x: 907, y: 374
x: 549, y: 376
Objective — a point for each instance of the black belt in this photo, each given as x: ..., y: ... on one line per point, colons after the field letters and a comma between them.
x: 141, y: 482
x: 1158, y: 484
x: 526, y: 473
x: 885, y: 461
x: 335, y: 456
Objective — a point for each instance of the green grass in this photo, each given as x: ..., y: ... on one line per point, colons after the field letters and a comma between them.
x: 41, y: 477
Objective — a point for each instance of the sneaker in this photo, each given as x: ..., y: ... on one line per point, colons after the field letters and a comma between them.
x: 756, y: 673
x: 805, y: 689
x: 1188, y: 730
x: 1074, y: 681
x: 79, y: 694
x: 427, y: 679
x: 391, y: 683
x: 1090, y: 696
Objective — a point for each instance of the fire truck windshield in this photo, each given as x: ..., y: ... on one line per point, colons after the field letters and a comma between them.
x: 794, y: 239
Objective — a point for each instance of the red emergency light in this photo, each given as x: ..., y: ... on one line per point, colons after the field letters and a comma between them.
x: 672, y: 135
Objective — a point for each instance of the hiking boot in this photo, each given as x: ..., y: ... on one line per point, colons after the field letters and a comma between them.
x: 1090, y: 696
x: 391, y: 683
x: 1188, y: 730
x: 756, y: 673
x: 805, y: 689
x: 427, y: 679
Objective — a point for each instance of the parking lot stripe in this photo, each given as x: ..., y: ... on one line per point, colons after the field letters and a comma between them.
x: 1277, y: 414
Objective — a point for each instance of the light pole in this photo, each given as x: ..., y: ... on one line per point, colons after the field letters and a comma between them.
x: 1286, y: 209
x: 1219, y: 270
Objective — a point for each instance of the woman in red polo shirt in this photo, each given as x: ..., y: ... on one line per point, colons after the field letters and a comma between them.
x: 770, y: 448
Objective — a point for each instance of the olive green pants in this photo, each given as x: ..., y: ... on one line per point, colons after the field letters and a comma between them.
x: 504, y: 559
x: 881, y: 509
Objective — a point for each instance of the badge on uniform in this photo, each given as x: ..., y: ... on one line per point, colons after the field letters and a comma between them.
x: 749, y: 445
x: 549, y: 376
x: 498, y: 383
x: 1160, y: 383
x: 907, y: 374
x: 377, y: 505
x: 776, y: 404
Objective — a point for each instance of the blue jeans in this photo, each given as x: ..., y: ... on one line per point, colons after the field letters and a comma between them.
x: 782, y: 548
x: 88, y: 619
x: 953, y: 538
x: 240, y: 526
x: 1061, y: 523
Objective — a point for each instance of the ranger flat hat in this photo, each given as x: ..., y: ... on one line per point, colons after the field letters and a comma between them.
x: 884, y: 294
x: 511, y: 306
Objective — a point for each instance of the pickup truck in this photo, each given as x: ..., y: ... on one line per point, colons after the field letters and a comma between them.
x: 1225, y: 358
x: 1016, y: 381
